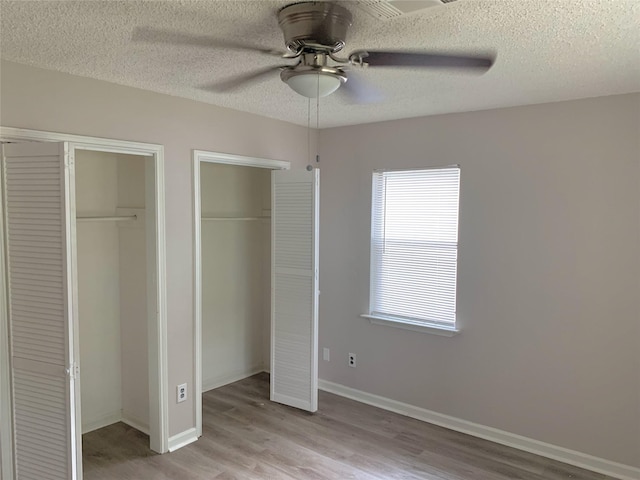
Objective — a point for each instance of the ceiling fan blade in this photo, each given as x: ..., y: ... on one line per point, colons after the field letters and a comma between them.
x: 157, y: 35
x: 243, y: 80
x: 381, y: 58
x: 358, y: 90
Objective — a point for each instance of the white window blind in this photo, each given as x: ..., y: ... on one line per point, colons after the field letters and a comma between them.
x: 414, y: 245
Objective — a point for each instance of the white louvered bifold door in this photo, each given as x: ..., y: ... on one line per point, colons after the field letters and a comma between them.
x: 38, y: 206
x: 294, y: 288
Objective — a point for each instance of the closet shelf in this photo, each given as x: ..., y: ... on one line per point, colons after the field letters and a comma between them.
x: 242, y: 219
x: 114, y: 218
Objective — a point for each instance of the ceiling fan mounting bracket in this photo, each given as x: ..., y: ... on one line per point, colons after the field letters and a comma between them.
x: 358, y: 58
x: 314, y: 26
x: 288, y: 72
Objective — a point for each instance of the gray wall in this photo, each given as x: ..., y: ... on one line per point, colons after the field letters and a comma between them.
x: 549, y: 271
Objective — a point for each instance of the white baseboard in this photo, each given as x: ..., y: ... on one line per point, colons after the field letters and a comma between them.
x: 101, y: 421
x: 114, y: 417
x: 582, y: 460
x: 136, y: 423
x: 221, y: 380
x: 182, y: 439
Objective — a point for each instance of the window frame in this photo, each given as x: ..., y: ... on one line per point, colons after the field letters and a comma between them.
x: 447, y: 329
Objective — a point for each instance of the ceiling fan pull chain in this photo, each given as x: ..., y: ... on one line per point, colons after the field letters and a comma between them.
x: 309, y: 128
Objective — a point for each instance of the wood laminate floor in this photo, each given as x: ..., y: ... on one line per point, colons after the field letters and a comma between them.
x: 245, y: 436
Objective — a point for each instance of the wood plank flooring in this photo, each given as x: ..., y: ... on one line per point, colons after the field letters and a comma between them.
x: 247, y: 437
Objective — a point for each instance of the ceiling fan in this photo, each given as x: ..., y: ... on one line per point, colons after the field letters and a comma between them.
x: 314, y: 33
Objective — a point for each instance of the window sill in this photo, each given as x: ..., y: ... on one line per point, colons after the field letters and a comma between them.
x: 431, y: 328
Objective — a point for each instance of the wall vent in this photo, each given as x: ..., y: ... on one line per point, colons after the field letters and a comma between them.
x: 388, y: 9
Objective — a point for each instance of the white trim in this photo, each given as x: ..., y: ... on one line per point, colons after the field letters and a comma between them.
x: 316, y: 289
x: 433, y: 328
x: 578, y: 459
x: 159, y: 383
x: 158, y: 380
x: 197, y: 291
x: 71, y: 305
x: 183, y: 439
x: 222, y: 380
x: 115, y: 417
x: 227, y: 159
x: 6, y: 409
x: 93, y: 143
x: 102, y: 421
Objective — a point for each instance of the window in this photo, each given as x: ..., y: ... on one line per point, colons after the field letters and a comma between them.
x: 414, y: 248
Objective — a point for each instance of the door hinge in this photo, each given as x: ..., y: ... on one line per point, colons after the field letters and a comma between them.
x: 73, y: 371
x: 68, y: 159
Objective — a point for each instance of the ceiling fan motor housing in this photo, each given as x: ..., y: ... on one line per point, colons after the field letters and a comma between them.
x: 314, y: 25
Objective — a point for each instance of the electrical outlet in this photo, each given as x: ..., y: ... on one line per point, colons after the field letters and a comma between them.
x: 352, y: 360
x: 181, y: 393
x: 325, y: 354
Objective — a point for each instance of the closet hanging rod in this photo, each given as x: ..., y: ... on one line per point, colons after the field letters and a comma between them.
x: 114, y: 218
x: 221, y: 219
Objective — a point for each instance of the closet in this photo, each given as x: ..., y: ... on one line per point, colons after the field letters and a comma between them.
x: 236, y: 276
x: 256, y: 290
x: 112, y: 290
x: 83, y: 244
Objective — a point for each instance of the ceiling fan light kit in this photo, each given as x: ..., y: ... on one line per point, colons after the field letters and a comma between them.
x: 313, y: 84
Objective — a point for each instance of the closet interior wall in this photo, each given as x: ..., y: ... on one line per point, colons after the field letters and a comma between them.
x: 236, y: 274
x: 112, y: 290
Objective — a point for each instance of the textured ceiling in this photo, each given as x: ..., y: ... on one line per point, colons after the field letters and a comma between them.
x: 547, y: 50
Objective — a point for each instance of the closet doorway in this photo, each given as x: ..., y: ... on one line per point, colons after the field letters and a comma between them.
x: 112, y: 235
x: 232, y: 210
x: 253, y: 313
x: 99, y: 349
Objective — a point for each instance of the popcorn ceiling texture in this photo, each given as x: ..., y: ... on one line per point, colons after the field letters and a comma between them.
x: 546, y: 51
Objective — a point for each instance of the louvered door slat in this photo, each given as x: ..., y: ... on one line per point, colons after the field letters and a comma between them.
x: 294, y: 365
x: 34, y: 435
x: 27, y: 307
x: 36, y: 209
x: 35, y: 266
